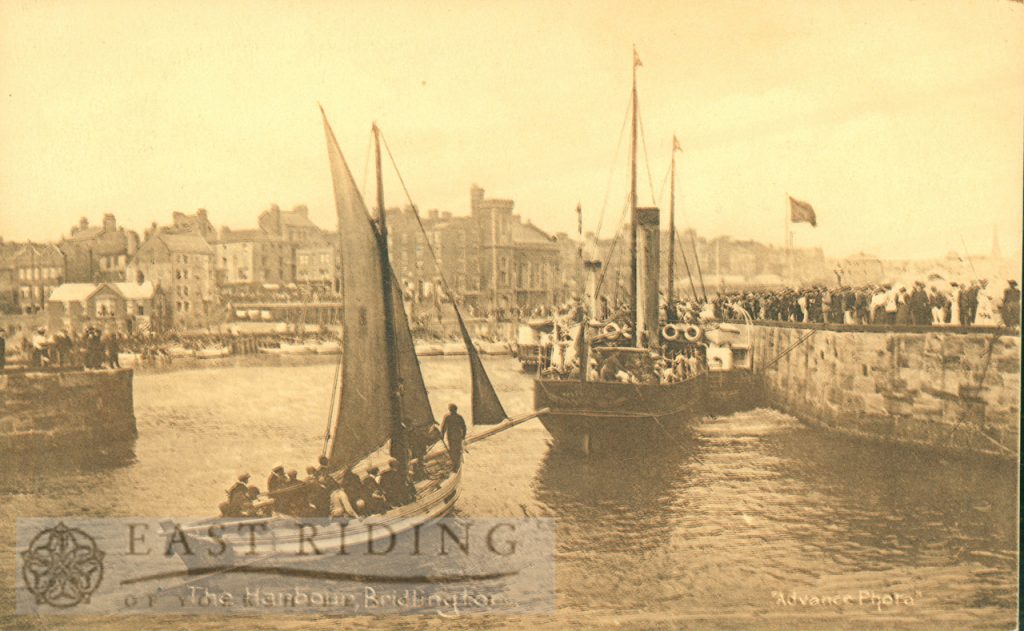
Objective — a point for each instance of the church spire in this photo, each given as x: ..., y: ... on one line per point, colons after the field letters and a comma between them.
x: 996, y: 252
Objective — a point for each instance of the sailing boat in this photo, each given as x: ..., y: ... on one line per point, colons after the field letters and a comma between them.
x: 611, y: 416
x: 383, y: 409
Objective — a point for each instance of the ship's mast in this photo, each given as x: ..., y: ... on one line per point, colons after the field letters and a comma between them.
x: 670, y: 297
x: 635, y: 296
x: 394, y: 399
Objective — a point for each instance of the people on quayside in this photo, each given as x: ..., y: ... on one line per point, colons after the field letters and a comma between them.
x: 921, y: 302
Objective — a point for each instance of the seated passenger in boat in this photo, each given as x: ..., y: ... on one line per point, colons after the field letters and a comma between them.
x: 356, y: 493
x: 395, y: 484
x: 322, y: 468
x: 277, y: 479
x: 375, y: 501
x: 420, y: 440
x: 317, y: 500
x: 237, y: 497
x: 341, y: 506
x: 254, y: 504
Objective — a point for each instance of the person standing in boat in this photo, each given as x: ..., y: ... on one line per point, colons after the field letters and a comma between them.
x: 453, y: 429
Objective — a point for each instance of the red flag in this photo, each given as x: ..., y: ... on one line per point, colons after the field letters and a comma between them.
x: 675, y: 144
x: 636, y: 59
x: 802, y: 212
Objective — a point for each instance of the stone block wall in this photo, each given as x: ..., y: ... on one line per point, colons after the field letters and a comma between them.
x: 944, y: 389
x: 55, y: 409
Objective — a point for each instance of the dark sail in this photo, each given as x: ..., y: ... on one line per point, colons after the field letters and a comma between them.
x: 363, y: 424
x: 487, y: 408
x: 416, y: 412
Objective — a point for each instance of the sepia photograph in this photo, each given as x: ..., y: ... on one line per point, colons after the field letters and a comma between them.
x: 510, y: 314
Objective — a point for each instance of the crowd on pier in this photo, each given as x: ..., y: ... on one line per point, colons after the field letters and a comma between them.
x: 916, y: 303
x: 920, y: 303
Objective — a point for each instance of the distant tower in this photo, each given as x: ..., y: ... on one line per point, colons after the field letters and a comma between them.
x: 996, y: 252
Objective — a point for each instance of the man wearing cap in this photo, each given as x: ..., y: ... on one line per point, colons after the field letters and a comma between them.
x: 1011, y: 305
x: 277, y: 479
x: 453, y: 428
x: 237, y: 497
x: 920, y: 311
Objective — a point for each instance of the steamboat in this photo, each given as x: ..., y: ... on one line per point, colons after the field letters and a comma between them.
x: 644, y: 379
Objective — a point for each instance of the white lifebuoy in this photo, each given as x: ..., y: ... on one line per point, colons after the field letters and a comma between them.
x: 670, y: 332
x: 611, y: 331
x: 692, y: 333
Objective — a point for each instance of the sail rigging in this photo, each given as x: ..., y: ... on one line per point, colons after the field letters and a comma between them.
x: 415, y: 404
x: 486, y: 406
x: 378, y: 362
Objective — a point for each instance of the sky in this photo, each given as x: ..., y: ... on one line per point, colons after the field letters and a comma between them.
x: 902, y: 123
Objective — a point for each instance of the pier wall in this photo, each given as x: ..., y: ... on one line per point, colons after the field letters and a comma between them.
x: 56, y: 409
x: 953, y: 390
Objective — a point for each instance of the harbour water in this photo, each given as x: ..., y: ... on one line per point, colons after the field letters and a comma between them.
x: 759, y: 521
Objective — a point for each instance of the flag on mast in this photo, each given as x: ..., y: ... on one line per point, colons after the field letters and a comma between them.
x: 579, y: 218
x: 675, y: 144
x: 802, y: 212
x: 636, y: 59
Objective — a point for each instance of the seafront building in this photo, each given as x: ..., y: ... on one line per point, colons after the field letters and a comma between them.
x: 127, y: 307
x: 286, y: 268
x: 98, y: 253
x: 182, y: 265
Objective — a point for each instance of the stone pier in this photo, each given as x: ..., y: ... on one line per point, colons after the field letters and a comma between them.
x: 955, y: 390
x: 65, y: 409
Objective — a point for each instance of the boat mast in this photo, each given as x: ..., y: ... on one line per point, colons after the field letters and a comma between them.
x: 394, y: 399
x: 672, y: 231
x: 633, y: 307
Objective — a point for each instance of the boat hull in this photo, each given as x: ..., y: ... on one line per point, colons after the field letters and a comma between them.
x: 603, y: 417
x: 234, y: 567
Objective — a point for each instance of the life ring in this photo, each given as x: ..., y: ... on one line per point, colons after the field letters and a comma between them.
x: 670, y: 332
x: 611, y: 331
x: 692, y: 333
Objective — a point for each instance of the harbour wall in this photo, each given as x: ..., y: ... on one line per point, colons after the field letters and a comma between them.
x: 955, y: 390
x: 70, y: 409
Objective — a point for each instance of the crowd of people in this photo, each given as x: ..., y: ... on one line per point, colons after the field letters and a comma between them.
x: 348, y: 495
x: 921, y: 303
x: 96, y: 348
x: 93, y: 349
x: 319, y: 494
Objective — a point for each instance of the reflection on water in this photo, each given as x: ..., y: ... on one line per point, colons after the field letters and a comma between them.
x: 730, y: 528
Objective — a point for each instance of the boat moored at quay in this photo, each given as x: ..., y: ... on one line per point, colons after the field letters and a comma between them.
x: 635, y: 378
